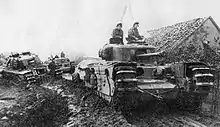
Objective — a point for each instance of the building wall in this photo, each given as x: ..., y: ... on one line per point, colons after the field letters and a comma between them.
x: 193, y: 47
x: 213, y: 35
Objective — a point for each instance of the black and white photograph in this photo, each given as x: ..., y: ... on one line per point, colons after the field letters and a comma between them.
x: 109, y: 63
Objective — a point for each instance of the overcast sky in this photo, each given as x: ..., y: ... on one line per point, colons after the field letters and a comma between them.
x: 83, y: 26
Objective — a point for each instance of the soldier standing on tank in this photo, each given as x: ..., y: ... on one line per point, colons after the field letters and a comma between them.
x: 56, y: 56
x: 62, y: 55
x: 117, y: 33
x: 93, y: 79
x: 133, y: 34
x: 52, y: 67
x: 93, y: 82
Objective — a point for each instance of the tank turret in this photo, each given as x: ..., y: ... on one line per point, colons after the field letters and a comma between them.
x: 23, y: 61
x: 127, y: 52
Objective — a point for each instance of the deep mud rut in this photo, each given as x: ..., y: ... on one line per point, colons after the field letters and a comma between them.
x: 96, y: 112
x: 8, y: 94
x: 159, y: 114
x: 170, y: 119
x: 36, y: 106
x: 92, y: 111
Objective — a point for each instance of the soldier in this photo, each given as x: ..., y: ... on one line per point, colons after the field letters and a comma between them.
x: 72, y: 68
x: 93, y: 79
x: 93, y: 82
x: 62, y: 55
x: 52, y: 67
x: 133, y: 34
x: 117, y: 34
x: 56, y: 56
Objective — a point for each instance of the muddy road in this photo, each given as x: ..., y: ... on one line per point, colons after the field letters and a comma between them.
x: 36, y: 106
x: 96, y: 112
x: 59, y: 103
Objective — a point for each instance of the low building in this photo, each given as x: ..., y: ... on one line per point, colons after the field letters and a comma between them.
x: 194, y: 40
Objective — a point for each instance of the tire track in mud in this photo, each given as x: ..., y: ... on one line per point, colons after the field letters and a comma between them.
x: 172, y: 120
x: 152, y: 114
x: 8, y: 94
x: 35, y: 106
x: 91, y: 112
x: 151, y: 117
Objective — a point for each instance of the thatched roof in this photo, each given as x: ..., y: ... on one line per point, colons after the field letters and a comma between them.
x: 166, y: 37
x: 171, y: 39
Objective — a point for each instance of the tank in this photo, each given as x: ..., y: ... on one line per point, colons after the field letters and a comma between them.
x: 154, y: 81
x: 58, y: 66
x: 24, y: 68
x: 142, y: 76
x: 123, y: 78
x: 63, y: 64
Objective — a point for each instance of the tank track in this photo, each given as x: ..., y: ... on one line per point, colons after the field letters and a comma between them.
x: 18, y: 79
x: 125, y: 85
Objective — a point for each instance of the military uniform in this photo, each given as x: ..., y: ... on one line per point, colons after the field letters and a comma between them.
x: 117, y: 36
x: 93, y: 81
x: 133, y: 34
x: 62, y: 55
x: 117, y: 33
x: 52, y: 67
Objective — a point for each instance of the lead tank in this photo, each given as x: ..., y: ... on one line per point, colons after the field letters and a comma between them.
x: 187, y: 82
x: 24, y: 68
x: 154, y: 80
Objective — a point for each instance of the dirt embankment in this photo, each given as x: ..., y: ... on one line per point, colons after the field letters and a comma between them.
x: 36, y: 106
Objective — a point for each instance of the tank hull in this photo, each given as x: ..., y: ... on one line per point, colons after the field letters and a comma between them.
x: 156, y: 87
x: 25, y: 68
x: 121, y: 86
x: 18, y: 77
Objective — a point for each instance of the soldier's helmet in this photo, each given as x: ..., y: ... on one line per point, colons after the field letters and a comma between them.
x: 119, y: 24
x: 92, y: 70
x: 136, y: 23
